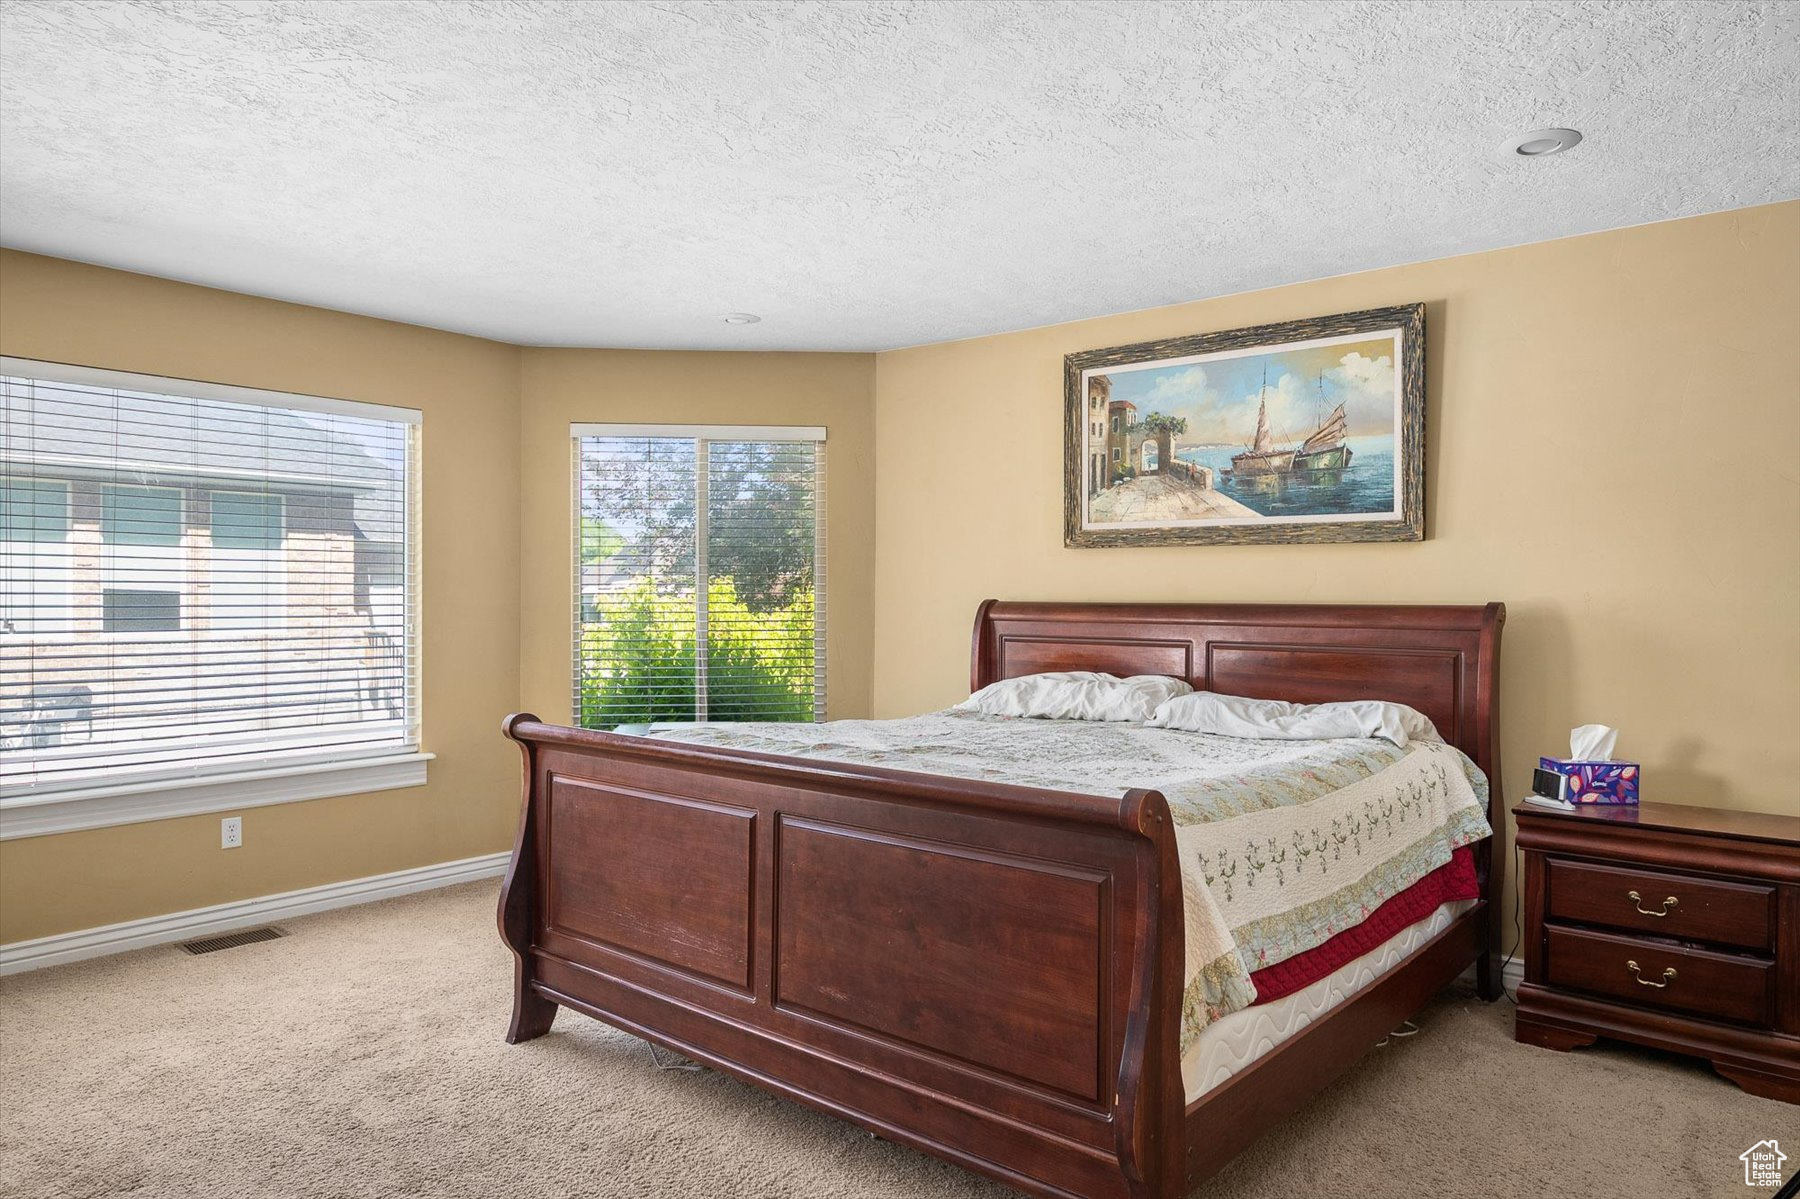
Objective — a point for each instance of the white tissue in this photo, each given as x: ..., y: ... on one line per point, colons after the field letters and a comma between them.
x: 1592, y: 743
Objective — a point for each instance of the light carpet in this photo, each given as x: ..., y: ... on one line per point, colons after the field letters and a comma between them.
x: 363, y: 1055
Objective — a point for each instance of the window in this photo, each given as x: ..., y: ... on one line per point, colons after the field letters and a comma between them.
x: 244, y: 520
x: 33, y: 511
x: 141, y: 516
x: 128, y: 611
x: 699, y: 574
x: 143, y: 570
x: 1115, y: 422
x: 34, y: 556
x: 189, y: 606
x: 1117, y: 457
x: 248, y: 565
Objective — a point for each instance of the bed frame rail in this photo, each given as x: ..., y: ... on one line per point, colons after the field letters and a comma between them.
x: 991, y: 974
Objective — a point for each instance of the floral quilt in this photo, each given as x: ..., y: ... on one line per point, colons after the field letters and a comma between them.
x: 1283, y: 844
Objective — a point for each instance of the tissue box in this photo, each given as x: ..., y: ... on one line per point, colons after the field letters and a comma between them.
x: 1595, y: 782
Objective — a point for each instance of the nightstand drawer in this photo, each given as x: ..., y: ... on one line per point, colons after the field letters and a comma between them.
x: 1665, y: 904
x: 1645, y: 973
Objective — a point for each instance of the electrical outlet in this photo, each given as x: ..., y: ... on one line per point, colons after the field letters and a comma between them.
x: 231, y: 832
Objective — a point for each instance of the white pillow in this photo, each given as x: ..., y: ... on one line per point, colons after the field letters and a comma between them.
x: 1274, y: 719
x: 1076, y: 695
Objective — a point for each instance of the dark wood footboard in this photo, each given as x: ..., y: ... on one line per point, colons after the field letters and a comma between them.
x: 991, y: 974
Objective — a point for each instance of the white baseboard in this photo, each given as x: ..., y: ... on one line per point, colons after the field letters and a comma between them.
x: 244, y: 913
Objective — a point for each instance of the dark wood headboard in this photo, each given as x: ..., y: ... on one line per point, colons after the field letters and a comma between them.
x: 1444, y: 661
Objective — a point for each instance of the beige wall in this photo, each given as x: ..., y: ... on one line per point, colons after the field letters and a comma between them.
x: 1614, y: 423
x: 495, y: 547
x: 564, y: 387
x: 468, y: 391
x: 1613, y: 446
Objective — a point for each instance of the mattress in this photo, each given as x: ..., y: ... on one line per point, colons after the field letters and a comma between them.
x: 1236, y: 1041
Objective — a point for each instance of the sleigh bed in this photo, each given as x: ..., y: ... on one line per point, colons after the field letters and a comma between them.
x: 721, y: 903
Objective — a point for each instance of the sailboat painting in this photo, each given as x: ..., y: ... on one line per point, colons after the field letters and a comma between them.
x: 1307, y: 431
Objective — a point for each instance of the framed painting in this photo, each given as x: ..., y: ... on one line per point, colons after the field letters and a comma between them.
x: 1304, y: 431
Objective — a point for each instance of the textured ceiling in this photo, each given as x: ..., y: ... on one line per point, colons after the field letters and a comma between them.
x: 863, y: 175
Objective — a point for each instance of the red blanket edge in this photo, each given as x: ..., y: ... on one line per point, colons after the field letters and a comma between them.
x: 1455, y: 879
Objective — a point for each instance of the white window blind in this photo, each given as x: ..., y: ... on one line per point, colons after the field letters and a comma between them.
x: 699, y: 574
x: 199, y: 580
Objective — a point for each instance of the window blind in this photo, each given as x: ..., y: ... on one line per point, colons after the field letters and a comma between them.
x: 199, y: 580
x: 699, y: 575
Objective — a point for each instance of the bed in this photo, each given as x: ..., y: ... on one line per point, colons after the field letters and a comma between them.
x: 742, y: 908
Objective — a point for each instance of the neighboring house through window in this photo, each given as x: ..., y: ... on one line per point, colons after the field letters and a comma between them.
x: 200, y: 583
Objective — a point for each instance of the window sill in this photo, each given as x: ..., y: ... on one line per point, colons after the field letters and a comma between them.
x: 133, y: 803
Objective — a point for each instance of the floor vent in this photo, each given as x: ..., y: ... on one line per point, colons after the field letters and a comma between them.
x: 248, y: 936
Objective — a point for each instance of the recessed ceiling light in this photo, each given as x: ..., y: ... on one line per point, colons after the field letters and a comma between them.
x: 741, y: 318
x: 1541, y: 142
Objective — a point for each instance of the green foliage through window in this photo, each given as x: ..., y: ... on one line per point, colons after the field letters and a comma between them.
x: 599, y: 540
x: 666, y: 518
x: 638, y: 660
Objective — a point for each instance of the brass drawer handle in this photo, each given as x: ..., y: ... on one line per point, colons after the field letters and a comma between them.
x: 1637, y: 899
x: 1668, y: 976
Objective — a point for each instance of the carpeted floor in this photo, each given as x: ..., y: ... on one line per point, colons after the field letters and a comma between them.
x: 363, y: 1056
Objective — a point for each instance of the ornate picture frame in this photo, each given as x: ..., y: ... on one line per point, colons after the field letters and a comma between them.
x: 1301, y: 432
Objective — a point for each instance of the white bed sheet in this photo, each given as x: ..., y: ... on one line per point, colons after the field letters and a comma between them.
x: 1233, y: 1042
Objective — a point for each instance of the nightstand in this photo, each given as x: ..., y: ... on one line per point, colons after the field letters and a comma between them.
x: 1669, y: 926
